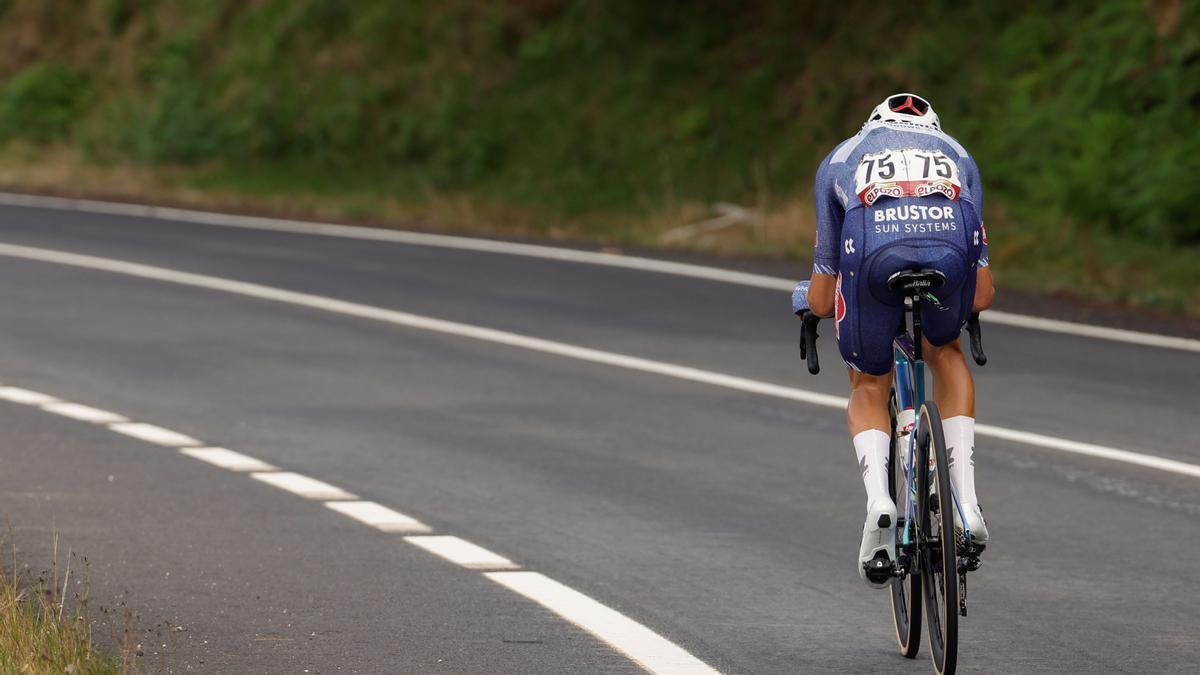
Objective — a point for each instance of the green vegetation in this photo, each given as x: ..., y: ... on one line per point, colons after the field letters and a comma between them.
x: 40, y: 102
x: 43, y: 632
x: 615, y: 119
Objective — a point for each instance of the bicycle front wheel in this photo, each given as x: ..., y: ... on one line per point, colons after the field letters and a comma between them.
x: 939, y: 569
x: 906, y: 590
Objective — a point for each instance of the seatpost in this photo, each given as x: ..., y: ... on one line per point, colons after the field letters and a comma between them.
x: 916, y: 312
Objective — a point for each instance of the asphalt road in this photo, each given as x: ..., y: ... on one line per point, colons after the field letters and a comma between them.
x: 726, y: 522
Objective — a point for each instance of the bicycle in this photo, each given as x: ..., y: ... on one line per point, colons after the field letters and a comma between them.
x: 925, y: 572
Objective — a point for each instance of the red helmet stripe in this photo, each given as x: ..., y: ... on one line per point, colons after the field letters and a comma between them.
x: 908, y: 103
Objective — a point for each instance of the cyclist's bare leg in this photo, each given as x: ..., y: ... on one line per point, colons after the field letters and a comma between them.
x: 868, y: 407
x: 953, y: 387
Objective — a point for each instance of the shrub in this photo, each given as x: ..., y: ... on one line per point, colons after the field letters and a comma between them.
x: 41, y: 102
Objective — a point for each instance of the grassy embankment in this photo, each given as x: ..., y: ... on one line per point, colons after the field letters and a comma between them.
x: 617, y: 121
x: 43, y: 631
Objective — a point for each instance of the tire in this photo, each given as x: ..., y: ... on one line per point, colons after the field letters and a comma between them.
x: 906, y: 591
x: 939, y: 567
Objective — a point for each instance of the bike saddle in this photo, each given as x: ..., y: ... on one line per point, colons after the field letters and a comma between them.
x: 916, y: 281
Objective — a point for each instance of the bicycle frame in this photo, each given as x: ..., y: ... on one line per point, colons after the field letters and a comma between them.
x: 909, y: 373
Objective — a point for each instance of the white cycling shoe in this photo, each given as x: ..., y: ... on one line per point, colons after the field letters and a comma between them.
x: 975, y: 523
x: 878, y: 549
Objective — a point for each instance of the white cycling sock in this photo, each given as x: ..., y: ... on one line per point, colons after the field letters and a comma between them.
x: 871, y: 446
x: 960, y: 445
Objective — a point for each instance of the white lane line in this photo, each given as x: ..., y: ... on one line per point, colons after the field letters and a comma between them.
x: 84, y: 413
x: 517, y: 340
x: 549, y: 253
x: 154, y: 434
x: 632, y: 639
x: 25, y: 396
x: 396, y: 237
x: 1090, y: 449
x: 379, y: 517
x: 462, y: 552
x: 627, y: 636
x: 309, y: 488
x: 227, y: 459
x: 642, y: 645
x: 1089, y: 330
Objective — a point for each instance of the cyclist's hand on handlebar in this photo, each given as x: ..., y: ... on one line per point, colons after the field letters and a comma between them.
x: 808, y: 334
x: 808, y: 341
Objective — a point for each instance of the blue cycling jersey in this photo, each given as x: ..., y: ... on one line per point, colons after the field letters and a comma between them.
x: 891, y: 164
x: 897, y: 196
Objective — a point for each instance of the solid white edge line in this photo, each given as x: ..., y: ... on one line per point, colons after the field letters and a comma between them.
x: 379, y: 517
x: 1091, y: 331
x: 1090, y: 450
x: 154, y: 434
x: 548, y: 253
x: 304, y: 486
x: 392, y: 236
x: 462, y: 552
x: 643, y: 646
x: 26, y: 396
x: 635, y: 363
x: 84, y: 413
x: 227, y: 459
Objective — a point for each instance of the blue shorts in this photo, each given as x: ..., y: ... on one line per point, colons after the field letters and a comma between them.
x: 903, y: 234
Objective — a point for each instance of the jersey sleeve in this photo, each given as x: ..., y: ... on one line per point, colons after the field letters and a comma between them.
x: 830, y: 214
x: 975, y: 186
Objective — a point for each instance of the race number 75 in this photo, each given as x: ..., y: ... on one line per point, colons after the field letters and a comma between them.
x: 909, y: 172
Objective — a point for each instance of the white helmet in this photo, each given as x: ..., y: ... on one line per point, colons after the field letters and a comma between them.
x: 905, y: 109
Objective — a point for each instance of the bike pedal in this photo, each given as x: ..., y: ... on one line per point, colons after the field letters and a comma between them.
x: 879, y: 569
x: 968, y: 555
x: 968, y: 549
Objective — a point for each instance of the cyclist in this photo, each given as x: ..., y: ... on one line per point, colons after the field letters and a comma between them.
x: 900, y: 194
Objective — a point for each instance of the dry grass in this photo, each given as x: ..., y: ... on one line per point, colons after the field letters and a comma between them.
x: 63, y: 171
x: 44, y: 623
x: 778, y: 230
x: 774, y: 230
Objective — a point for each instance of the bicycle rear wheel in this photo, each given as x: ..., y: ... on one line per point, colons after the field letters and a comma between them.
x: 906, y: 590
x: 939, y: 569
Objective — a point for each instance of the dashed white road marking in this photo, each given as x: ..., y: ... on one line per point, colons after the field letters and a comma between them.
x: 688, y: 373
x: 462, y: 552
x: 25, y: 396
x: 309, y: 488
x: 154, y: 434
x: 84, y: 413
x: 379, y: 517
x: 549, y: 253
x: 642, y: 645
x: 630, y: 638
x: 227, y: 459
